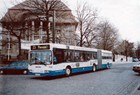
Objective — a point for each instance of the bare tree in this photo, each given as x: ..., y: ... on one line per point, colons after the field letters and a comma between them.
x: 14, y: 24
x: 125, y: 48
x: 86, y: 27
x: 107, y: 36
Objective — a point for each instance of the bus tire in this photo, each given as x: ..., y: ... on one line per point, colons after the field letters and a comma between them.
x: 108, y: 66
x: 94, y: 68
x: 68, y: 71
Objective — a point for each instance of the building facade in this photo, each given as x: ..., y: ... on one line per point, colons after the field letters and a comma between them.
x: 29, y: 26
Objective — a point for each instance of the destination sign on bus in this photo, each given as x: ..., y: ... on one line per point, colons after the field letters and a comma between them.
x: 40, y: 47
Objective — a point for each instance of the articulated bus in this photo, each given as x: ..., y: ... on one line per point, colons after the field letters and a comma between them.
x: 57, y: 59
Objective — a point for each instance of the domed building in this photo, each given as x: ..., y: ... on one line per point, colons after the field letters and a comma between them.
x: 36, y: 21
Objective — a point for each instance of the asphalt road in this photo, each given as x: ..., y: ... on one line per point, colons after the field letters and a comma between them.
x: 119, y: 80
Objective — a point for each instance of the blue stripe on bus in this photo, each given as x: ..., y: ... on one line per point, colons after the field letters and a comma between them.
x: 62, y: 72
x: 50, y: 73
x: 77, y: 70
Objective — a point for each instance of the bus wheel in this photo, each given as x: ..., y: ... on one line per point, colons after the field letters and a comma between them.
x: 94, y: 68
x: 1, y: 72
x: 108, y: 66
x: 68, y: 71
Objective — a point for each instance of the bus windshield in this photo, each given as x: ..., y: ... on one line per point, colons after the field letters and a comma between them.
x: 41, y: 57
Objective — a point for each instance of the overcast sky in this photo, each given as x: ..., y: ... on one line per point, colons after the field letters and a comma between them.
x: 123, y: 14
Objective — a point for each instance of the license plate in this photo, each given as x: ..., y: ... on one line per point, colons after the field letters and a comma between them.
x: 37, y: 67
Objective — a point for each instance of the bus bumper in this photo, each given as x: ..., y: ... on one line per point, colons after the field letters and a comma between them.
x: 49, y: 73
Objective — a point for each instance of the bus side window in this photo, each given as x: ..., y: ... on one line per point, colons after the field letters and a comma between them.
x: 59, y: 54
x: 88, y: 56
x: 76, y: 56
x: 67, y: 56
x: 94, y: 55
x: 55, y: 60
x: 81, y: 58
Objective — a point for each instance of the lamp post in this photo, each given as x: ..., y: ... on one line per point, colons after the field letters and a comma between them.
x: 8, y: 46
x: 53, y: 38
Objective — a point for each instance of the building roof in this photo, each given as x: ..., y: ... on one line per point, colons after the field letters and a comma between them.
x: 18, y: 12
x: 13, y: 16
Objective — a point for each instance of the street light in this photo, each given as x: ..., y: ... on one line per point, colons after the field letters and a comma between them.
x: 53, y: 27
x: 9, y: 46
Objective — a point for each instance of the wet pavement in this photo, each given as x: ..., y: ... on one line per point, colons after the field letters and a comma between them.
x: 119, y: 80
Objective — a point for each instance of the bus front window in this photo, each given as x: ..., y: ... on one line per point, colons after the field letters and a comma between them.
x: 41, y: 57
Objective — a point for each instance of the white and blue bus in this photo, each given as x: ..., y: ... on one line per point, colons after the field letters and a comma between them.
x: 57, y: 59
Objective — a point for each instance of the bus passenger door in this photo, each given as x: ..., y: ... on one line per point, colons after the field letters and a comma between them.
x: 99, y: 57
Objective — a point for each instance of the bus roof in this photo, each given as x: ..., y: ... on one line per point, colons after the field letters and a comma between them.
x: 63, y: 46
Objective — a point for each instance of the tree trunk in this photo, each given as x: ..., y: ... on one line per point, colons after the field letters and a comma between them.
x: 47, y: 31
x: 81, y: 35
x: 19, y: 48
x: 47, y: 23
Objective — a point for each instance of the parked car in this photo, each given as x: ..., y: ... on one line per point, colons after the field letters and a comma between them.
x: 136, y: 68
x: 17, y: 67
